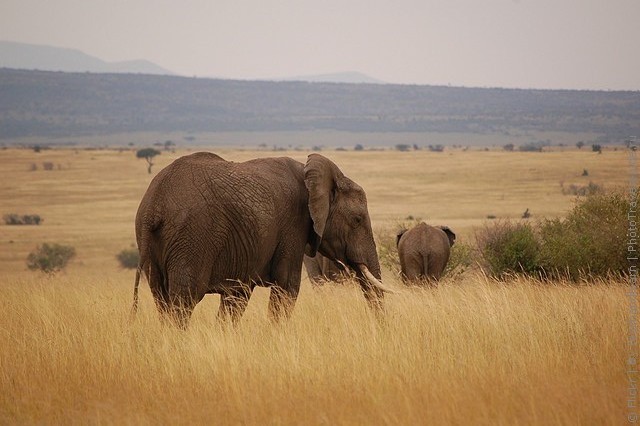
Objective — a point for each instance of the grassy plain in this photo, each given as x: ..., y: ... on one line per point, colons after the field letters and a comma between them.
x: 471, y: 351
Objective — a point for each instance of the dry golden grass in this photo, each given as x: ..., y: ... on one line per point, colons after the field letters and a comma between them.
x: 471, y: 351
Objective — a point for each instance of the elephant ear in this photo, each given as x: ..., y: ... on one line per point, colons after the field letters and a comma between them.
x: 450, y: 234
x: 320, y: 177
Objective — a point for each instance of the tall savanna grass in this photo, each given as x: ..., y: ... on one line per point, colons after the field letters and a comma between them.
x: 470, y: 351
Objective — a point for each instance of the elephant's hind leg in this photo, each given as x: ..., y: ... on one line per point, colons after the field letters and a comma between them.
x: 281, y: 302
x: 413, y: 269
x: 233, y: 304
x: 183, y: 297
x: 159, y: 290
x: 284, y: 291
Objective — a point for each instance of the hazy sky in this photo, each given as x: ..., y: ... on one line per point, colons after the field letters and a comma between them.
x: 576, y: 44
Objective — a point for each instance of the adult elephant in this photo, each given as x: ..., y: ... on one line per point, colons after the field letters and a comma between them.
x: 207, y: 225
x: 320, y: 269
x: 424, y: 251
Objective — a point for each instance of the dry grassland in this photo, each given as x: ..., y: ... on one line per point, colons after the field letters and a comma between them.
x: 472, y: 351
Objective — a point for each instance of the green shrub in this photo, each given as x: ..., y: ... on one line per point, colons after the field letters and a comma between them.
x: 50, y: 258
x: 590, y: 240
x: 507, y: 247
x: 128, y: 258
x: 460, y: 260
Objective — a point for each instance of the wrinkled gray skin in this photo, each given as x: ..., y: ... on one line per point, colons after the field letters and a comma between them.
x: 206, y: 225
x: 321, y: 269
x: 424, y: 252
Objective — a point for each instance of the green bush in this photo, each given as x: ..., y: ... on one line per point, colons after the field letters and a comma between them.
x: 460, y: 260
x: 508, y: 247
x: 590, y: 240
x: 128, y: 258
x: 50, y: 258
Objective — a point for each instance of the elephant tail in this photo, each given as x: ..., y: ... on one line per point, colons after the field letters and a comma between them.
x: 143, y: 231
x: 134, y: 308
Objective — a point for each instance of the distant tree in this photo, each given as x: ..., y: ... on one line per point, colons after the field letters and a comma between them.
x: 148, y: 154
x: 358, y: 147
x: 596, y: 148
x: 416, y: 147
x: 36, y: 148
x: 403, y: 147
x: 168, y: 145
x: 508, y: 147
x: 579, y: 144
x: 436, y: 148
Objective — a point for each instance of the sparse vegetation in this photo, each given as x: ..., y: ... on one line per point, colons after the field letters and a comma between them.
x: 581, y: 190
x: 50, y: 258
x: 25, y: 219
x: 128, y: 258
x: 533, y: 146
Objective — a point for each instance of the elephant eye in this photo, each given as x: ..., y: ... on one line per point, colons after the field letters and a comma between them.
x: 356, y: 221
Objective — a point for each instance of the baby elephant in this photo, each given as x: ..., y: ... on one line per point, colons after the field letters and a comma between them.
x: 424, y: 251
x: 321, y: 269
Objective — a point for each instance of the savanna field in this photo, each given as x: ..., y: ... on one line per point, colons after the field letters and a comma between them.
x: 475, y: 350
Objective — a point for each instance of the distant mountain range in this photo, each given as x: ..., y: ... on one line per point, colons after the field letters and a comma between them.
x: 44, y: 103
x: 47, y: 58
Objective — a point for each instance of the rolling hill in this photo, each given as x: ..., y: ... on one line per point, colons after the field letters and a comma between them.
x: 43, y: 103
x: 47, y: 58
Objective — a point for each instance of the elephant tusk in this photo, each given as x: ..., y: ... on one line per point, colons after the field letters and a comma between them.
x: 374, y: 281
